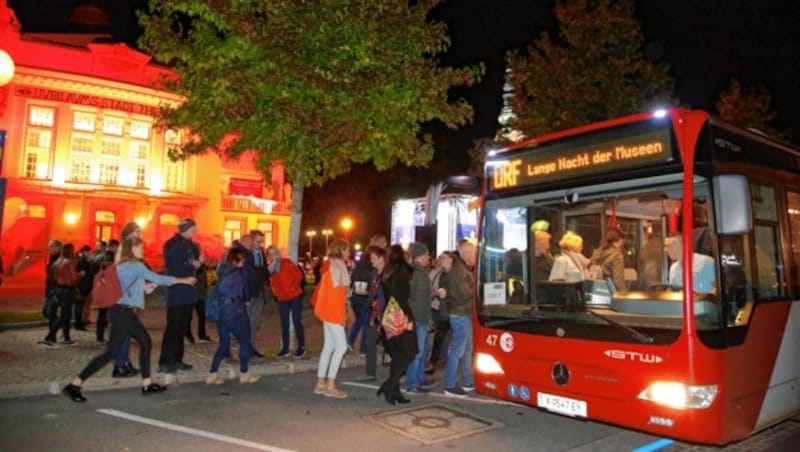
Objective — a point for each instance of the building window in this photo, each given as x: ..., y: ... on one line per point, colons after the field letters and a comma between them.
x: 173, y: 172
x: 140, y: 130
x: 233, y: 230
x: 38, y: 142
x: 109, y: 172
x: 80, y: 169
x: 113, y: 125
x: 140, y: 175
x: 111, y: 146
x: 83, y: 121
x: 267, y: 228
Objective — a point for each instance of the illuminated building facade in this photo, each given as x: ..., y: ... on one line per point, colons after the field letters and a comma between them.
x: 83, y: 156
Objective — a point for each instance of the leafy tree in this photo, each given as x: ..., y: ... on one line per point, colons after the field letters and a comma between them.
x: 593, y: 70
x: 317, y: 85
x: 749, y: 109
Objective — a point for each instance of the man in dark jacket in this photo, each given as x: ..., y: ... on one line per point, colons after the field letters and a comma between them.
x: 182, y: 258
x: 255, y: 265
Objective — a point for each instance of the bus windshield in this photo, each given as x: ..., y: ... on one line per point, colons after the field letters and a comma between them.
x: 551, y: 264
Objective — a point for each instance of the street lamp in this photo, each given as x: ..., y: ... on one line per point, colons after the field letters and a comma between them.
x: 6, y: 68
x: 347, y: 224
x: 327, y: 233
x: 310, y: 234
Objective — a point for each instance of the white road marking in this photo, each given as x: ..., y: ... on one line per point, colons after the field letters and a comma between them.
x: 472, y: 398
x: 192, y: 431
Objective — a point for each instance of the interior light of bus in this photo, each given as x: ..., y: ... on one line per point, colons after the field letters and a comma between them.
x: 486, y: 364
x: 660, y: 113
x: 678, y: 395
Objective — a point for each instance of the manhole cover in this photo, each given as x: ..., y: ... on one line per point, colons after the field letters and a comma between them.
x: 433, y: 423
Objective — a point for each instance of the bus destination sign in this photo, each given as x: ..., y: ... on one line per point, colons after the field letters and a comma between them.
x: 545, y: 164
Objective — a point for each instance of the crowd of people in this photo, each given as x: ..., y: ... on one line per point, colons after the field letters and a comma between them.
x: 433, y: 299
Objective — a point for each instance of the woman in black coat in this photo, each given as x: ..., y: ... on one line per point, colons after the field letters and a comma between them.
x: 402, y: 347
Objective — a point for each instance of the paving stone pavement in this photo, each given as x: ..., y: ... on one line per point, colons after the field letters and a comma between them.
x: 29, y: 369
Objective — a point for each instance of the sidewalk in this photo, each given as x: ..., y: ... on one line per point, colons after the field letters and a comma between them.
x: 29, y: 369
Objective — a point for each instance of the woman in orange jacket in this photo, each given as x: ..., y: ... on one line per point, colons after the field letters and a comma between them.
x: 285, y: 279
x: 330, y: 307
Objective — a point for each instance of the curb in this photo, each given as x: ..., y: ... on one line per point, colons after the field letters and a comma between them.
x: 227, y: 371
x: 22, y: 325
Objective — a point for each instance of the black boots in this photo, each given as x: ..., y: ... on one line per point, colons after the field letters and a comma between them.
x: 74, y: 393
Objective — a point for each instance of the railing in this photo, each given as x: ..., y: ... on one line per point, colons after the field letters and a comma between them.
x: 252, y: 204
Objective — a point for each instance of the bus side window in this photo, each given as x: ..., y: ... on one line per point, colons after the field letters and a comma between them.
x: 735, y: 264
x: 769, y: 282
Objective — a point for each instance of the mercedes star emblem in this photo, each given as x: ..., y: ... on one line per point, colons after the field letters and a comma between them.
x: 560, y: 374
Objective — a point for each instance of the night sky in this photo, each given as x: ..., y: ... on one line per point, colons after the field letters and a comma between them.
x: 706, y: 43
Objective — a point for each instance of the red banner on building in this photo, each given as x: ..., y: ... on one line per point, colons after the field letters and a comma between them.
x: 246, y: 187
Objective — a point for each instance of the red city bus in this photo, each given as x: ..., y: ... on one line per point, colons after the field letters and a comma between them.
x: 571, y: 321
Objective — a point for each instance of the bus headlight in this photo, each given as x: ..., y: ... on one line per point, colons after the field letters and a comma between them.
x: 678, y: 395
x: 486, y: 364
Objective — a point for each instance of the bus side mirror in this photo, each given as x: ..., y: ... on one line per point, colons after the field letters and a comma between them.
x: 732, y: 204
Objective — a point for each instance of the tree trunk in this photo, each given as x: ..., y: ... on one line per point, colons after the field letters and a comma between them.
x: 298, y: 186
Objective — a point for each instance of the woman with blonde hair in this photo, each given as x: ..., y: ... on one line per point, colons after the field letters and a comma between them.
x: 134, y: 278
x: 571, y: 265
x: 330, y: 308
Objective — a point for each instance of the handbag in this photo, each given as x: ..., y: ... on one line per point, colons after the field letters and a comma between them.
x: 394, y: 320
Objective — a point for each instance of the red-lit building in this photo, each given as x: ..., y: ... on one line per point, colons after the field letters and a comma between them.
x: 83, y: 155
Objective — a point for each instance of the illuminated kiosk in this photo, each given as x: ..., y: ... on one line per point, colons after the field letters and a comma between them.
x: 456, y: 220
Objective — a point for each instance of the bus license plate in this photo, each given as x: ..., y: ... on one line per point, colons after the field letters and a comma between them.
x: 562, y: 405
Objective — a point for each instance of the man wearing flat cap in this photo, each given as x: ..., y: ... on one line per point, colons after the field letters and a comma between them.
x: 419, y: 298
x: 182, y: 258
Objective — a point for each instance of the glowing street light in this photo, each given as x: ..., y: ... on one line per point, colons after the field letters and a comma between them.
x: 347, y: 225
x: 7, y: 68
x: 327, y: 233
x: 310, y: 234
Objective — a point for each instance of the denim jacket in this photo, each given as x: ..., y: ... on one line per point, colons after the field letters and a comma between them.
x: 132, y: 276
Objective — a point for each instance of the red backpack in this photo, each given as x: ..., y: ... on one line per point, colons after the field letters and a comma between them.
x: 106, y: 288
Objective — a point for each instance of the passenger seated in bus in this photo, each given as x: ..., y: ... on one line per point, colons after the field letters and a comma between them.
x: 571, y: 265
x: 610, y: 259
x: 650, y: 262
x: 704, y: 275
x: 543, y: 260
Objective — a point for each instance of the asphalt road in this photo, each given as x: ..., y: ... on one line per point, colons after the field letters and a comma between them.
x: 282, y: 413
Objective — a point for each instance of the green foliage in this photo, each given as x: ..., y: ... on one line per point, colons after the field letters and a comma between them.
x: 594, y: 70
x: 749, y: 109
x: 319, y: 85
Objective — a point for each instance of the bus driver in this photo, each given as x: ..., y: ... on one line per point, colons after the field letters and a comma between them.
x: 702, y: 267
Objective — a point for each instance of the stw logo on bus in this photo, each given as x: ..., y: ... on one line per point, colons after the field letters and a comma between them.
x: 633, y: 356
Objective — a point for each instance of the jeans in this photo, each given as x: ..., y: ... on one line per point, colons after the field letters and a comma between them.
x: 333, y: 349
x: 239, y: 326
x: 295, y: 308
x: 66, y: 298
x: 124, y: 325
x: 361, y: 308
x: 124, y: 355
x: 460, y: 353
x: 415, y: 374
